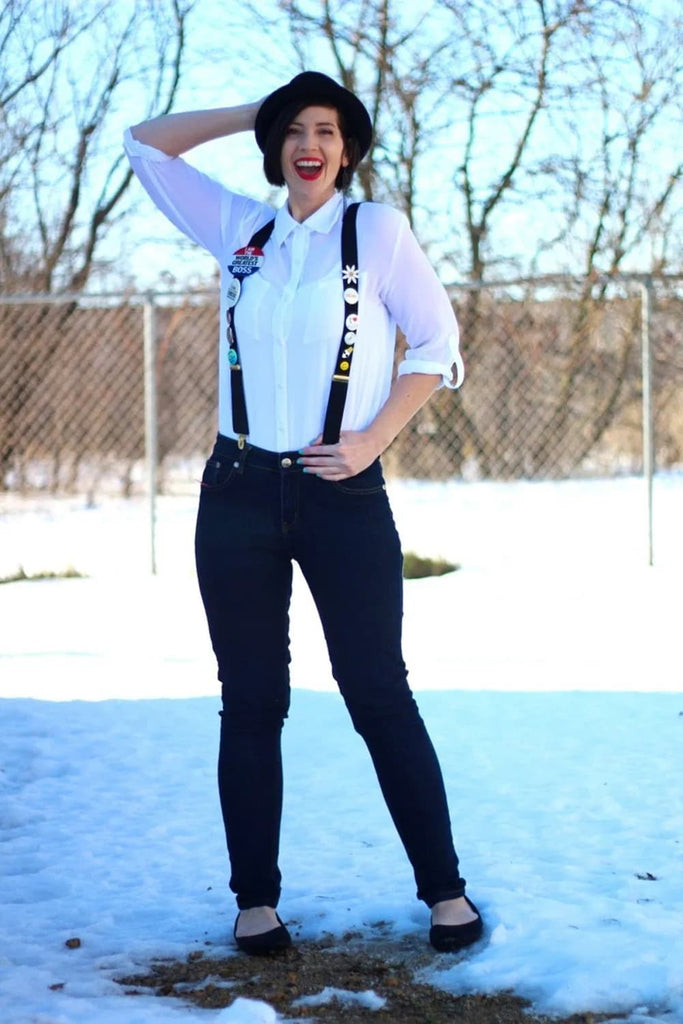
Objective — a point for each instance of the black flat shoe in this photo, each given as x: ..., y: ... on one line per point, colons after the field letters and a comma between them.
x: 449, y: 938
x: 264, y: 942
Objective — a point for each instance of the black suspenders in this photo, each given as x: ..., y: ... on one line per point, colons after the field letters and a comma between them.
x: 340, y: 377
x: 240, y: 421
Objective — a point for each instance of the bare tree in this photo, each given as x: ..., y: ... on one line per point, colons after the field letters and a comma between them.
x: 525, y: 137
x: 66, y: 70
x: 507, y: 60
x: 385, y: 52
x: 558, y: 107
x: 624, y: 184
x: 517, y: 138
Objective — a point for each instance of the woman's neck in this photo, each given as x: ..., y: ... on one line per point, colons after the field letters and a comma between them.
x: 303, y: 207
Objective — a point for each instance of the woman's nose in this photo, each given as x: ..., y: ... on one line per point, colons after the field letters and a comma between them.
x: 307, y: 140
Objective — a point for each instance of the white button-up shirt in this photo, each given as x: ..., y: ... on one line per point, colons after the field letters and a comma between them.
x: 290, y: 314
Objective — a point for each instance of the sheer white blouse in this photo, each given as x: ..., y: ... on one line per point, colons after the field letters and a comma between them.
x: 289, y: 316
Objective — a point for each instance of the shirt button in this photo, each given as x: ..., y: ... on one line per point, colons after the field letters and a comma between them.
x: 285, y: 463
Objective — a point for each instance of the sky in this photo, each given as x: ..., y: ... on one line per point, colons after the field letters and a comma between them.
x: 230, y: 59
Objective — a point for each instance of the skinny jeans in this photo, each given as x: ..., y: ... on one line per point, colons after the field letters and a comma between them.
x: 258, y: 511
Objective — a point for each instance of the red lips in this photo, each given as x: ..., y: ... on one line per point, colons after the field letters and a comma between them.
x: 309, y: 170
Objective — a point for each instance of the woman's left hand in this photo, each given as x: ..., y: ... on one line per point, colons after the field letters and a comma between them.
x: 357, y: 449
x: 354, y: 452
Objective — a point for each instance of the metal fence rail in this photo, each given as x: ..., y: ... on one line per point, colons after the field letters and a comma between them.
x: 565, y: 377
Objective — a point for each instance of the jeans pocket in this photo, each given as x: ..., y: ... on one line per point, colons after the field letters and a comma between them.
x: 369, y: 481
x: 217, y: 474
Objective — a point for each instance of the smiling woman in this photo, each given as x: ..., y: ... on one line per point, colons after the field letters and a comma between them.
x: 295, y: 473
x: 313, y: 154
x: 316, y: 139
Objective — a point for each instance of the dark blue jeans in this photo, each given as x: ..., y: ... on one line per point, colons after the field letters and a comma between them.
x: 257, y: 512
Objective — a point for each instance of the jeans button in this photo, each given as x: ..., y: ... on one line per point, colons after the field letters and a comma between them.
x: 285, y: 463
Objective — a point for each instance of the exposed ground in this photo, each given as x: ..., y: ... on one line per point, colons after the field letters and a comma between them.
x: 391, y: 969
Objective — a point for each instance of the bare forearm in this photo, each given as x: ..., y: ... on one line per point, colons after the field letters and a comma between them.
x: 176, y: 133
x: 356, y: 449
x: 408, y: 394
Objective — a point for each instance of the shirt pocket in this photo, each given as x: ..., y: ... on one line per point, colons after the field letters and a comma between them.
x: 256, y: 310
x: 318, y: 311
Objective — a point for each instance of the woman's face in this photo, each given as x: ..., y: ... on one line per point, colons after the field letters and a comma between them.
x: 312, y: 154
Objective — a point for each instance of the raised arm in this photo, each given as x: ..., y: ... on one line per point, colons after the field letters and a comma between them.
x: 174, y: 134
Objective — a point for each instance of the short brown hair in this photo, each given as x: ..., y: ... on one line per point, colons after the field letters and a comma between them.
x: 272, y: 151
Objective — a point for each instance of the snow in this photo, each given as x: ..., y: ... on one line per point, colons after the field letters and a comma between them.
x: 548, y: 670
x: 368, y: 1000
x: 248, y: 1011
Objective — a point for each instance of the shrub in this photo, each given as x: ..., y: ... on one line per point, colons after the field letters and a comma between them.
x: 416, y: 567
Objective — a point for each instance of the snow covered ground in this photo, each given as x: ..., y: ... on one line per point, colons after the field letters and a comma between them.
x: 549, y: 673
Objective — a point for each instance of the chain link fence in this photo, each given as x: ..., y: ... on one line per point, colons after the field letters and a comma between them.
x: 558, y: 371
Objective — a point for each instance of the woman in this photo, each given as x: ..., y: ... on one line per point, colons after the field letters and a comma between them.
x: 295, y: 472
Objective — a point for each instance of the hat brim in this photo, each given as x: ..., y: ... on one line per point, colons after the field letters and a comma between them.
x: 314, y: 86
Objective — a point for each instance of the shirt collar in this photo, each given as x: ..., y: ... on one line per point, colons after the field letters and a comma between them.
x: 323, y: 220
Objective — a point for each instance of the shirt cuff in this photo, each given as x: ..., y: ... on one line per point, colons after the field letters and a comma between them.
x: 449, y: 379
x: 141, y: 149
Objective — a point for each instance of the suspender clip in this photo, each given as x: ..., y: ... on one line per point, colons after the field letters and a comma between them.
x: 241, y: 441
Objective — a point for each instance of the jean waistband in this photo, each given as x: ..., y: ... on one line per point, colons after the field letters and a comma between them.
x: 258, y: 458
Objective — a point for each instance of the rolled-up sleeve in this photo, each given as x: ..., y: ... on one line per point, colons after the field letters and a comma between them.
x: 202, y: 208
x: 419, y: 304
x: 191, y: 200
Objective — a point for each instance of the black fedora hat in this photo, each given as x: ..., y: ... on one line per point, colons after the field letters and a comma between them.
x: 318, y: 88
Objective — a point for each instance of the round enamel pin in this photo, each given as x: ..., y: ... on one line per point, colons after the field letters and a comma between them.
x: 352, y: 321
x: 246, y: 261
x: 350, y: 338
x: 233, y: 290
x: 232, y: 356
x: 350, y: 296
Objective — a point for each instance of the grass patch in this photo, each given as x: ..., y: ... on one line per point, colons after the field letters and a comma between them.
x: 415, y: 567
x: 67, y: 574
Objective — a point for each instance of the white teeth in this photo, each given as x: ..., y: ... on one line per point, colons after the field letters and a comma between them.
x: 309, y: 163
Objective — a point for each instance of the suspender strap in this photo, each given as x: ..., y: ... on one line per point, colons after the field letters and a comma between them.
x: 340, y: 377
x: 240, y: 421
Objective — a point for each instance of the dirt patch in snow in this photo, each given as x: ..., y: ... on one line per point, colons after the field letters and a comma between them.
x: 393, y: 969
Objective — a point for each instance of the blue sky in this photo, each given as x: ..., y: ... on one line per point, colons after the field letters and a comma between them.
x: 231, y: 60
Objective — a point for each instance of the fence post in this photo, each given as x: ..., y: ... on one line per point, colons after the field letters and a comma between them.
x: 648, y: 412
x: 151, y: 435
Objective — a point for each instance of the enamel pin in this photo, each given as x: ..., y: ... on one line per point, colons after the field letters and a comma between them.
x: 350, y: 274
x: 232, y: 293
x: 246, y: 261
